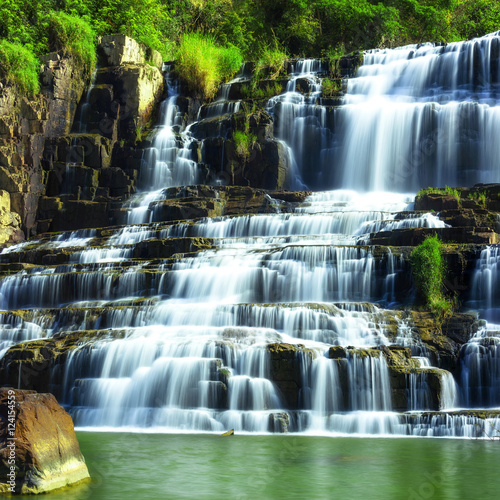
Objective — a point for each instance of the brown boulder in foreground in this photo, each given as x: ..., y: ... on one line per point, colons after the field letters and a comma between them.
x: 39, y: 451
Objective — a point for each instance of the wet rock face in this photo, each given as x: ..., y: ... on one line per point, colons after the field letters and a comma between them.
x: 126, y: 89
x: 31, y: 365
x: 286, y: 362
x: 192, y: 202
x: 46, y: 454
x: 122, y: 101
x: 115, y: 50
x: 261, y: 163
x: 63, y: 85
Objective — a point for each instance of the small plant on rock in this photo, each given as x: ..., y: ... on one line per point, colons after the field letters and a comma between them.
x: 479, y: 197
x: 243, y: 142
x: 428, y: 269
x: 443, y: 191
x: 330, y: 88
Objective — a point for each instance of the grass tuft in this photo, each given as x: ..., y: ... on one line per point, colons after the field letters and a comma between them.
x: 19, y: 67
x: 74, y: 37
x: 444, y: 191
x: 428, y: 271
x: 330, y: 88
x: 272, y: 60
x: 243, y: 142
x: 203, y: 64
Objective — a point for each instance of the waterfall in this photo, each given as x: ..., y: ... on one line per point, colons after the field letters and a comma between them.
x: 417, y: 116
x: 184, y: 346
x: 423, y: 115
x: 485, y: 294
x: 85, y: 109
x: 285, y: 321
x: 480, y: 370
x: 369, y: 383
x: 169, y: 160
x: 480, y: 357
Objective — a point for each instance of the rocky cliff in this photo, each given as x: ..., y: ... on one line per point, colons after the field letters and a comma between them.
x: 55, y: 158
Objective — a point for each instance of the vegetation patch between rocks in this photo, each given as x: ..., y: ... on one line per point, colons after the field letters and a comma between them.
x: 428, y: 269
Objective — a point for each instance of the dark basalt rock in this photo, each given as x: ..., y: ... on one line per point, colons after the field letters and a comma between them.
x: 154, y: 249
x: 436, y: 202
x: 414, y: 237
x: 286, y: 361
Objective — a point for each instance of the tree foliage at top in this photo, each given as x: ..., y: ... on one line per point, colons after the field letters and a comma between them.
x: 312, y: 28
x: 300, y: 27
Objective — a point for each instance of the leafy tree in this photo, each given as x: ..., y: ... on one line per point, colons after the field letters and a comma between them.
x: 309, y: 28
x: 475, y: 18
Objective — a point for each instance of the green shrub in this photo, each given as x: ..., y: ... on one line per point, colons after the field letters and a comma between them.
x: 479, y: 197
x: 273, y: 60
x: 428, y: 271
x: 272, y: 90
x: 203, y: 64
x: 74, y: 37
x: 330, y: 87
x: 442, y: 308
x: 474, y: 18
x: 19, y: 67
x: 246, y: 91
x: 254, y: 92
x: 264, y: 28
x: 243, y: 141
x: 230, y: 60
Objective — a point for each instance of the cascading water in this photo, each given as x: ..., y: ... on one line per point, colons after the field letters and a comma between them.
x: 480, y: 357
x: 279, y: 325
x: 300, y: 123
x: 192, y: 351
x: 485, y: 291
x: 423, y: 115
x: 416, y: 116
x: 168, y: 162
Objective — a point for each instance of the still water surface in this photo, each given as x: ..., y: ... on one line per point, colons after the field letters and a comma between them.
x: 164, y: 466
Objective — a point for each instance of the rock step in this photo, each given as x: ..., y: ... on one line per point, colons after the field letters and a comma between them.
x: 479, y: 197
x: 50, y: 252
x: 148, y: 249
x: 180, y: 204
x: 415, y: 236
x: 88, y: 313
